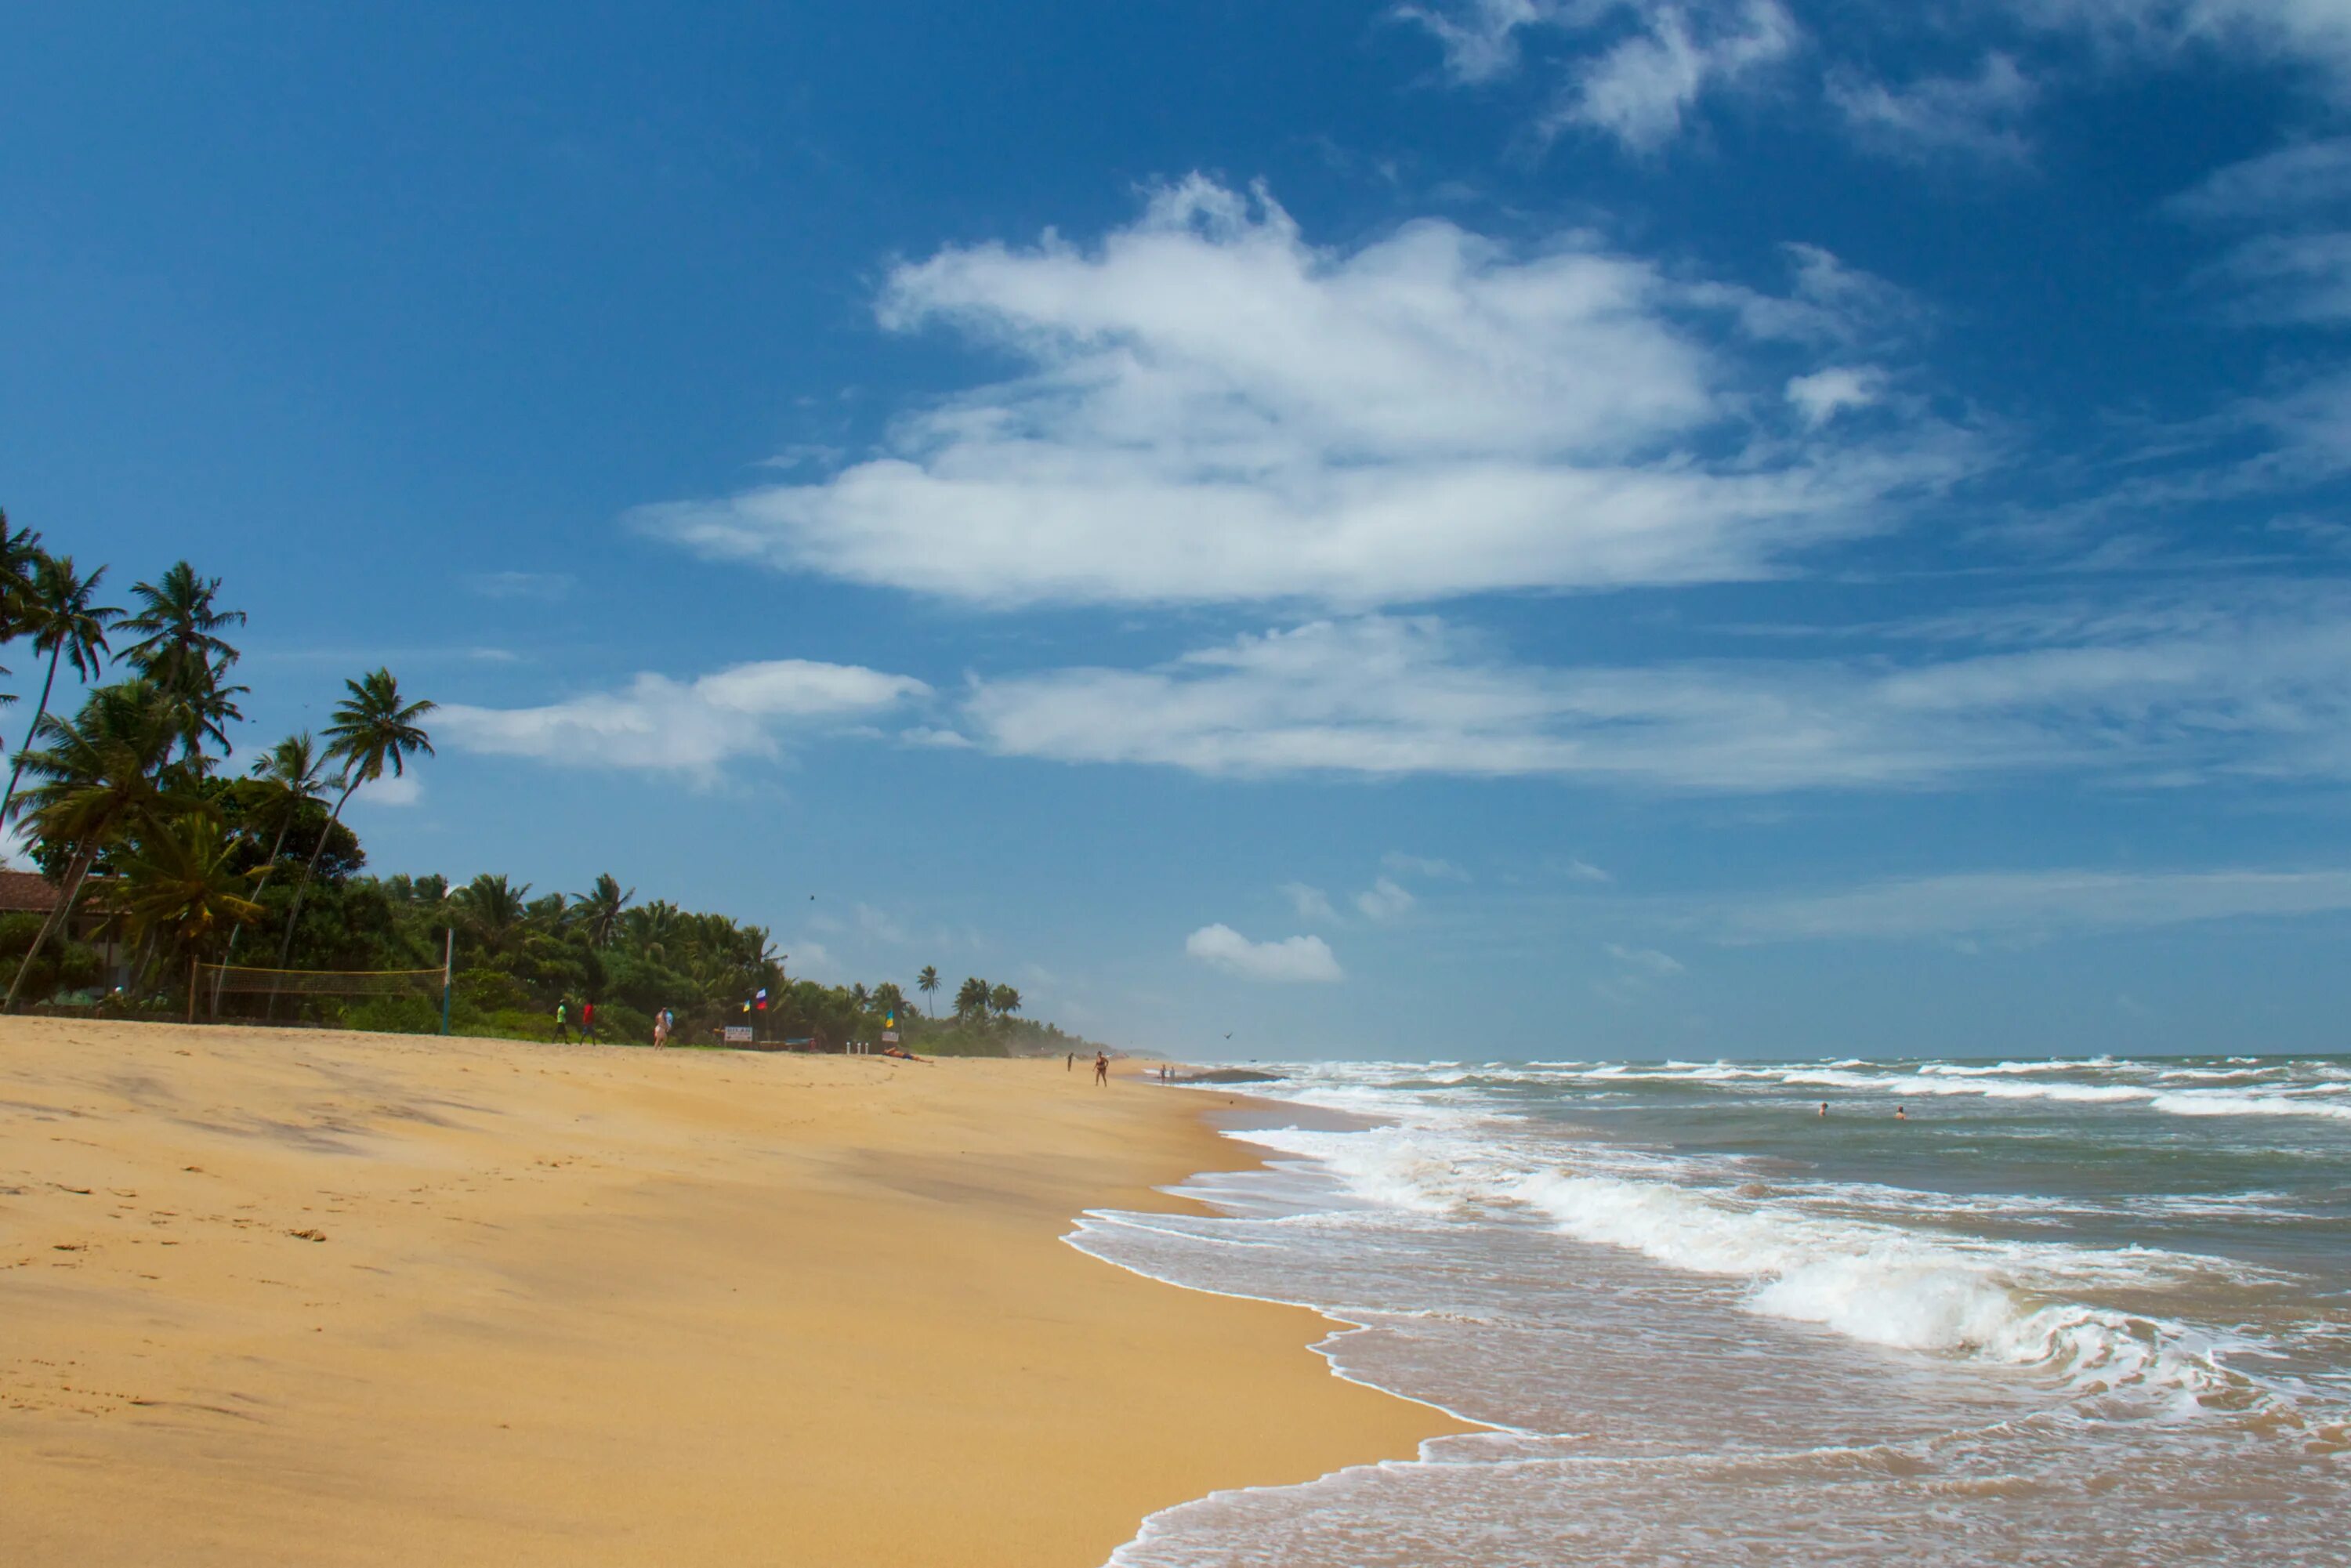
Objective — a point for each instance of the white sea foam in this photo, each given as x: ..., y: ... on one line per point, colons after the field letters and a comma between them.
x: 2004, y: 1302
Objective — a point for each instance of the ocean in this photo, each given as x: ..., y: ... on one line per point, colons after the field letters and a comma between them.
x: 2077, y: 1311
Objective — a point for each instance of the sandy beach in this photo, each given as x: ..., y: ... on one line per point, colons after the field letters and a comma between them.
x: 303, y: 1297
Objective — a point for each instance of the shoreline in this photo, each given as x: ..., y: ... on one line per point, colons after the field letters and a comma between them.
x: 584, y: 1304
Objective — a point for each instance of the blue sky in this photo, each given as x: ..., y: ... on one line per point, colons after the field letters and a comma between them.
x: 1554, y: 528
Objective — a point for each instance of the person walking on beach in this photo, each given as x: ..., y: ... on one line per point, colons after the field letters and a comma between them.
x: 562, y: 1020
x: 1102, y: 1068
x: 587, y: 1022
x: 661, y: 1028
x: 1070, y: 1062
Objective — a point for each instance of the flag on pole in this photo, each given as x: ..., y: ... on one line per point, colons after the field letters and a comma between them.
x: 763, y: 998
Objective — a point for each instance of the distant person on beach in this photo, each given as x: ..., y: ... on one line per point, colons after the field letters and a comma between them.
x: 1824, y: 1107
x: 563, y: 1020
x: 1102, y: 1068
x: 660, y: 1028
x: 1071, y: 1065
x: 587, y: 1022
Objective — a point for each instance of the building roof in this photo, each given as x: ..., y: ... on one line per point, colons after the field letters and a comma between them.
x: 27, y: 893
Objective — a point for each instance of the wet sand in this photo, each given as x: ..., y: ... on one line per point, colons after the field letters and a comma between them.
x: 304, y: 1297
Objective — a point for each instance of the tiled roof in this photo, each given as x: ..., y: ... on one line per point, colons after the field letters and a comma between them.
x: 25, y: 893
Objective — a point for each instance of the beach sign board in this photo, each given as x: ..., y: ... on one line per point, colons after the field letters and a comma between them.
x: 738, y: 1034
x: 889, y: 1037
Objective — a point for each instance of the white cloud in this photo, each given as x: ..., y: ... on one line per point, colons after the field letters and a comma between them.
x: 1585, y: 871
x: 1823, y: 394
x: 1311, y: 903
x: 1635, y: 68
x: 2288, y: 181
x: 1216, y: 409
x: 1298, y: 959
x: 1480, y: 37
x: 1383, y: 900
x: 2315, y: 32
x: 2259, y: 688
x: 1642, y: 87
x: 2031, y: 904
x: 688, y: 726
x: 1974, y: 116
x: 1430, y: 867
x: 393, y: 789
x: 2288, y: 279
x: 1643, y: 963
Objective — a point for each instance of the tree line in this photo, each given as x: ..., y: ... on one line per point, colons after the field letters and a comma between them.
x: 128, y: 807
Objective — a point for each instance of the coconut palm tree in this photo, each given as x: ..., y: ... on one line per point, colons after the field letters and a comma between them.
x: 293, y: 774
x: 597, y: 910
x: 926, y: 982
x: 373, y: 729
x: 65, y: 625
x: 202, y: 713
x: 495, y: 912
x: 178, y: 886
x: 20, y: 562
x: 180, y: 648
x: 971, y: 998
x: 651, y: 929
x: 889, y: 1000
x: 98, y: 780
x: 1003, y: 1001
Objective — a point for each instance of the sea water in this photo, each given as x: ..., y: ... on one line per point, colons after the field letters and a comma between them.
x: 2064, y: 1311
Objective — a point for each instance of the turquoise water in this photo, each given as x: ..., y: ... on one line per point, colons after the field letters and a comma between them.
x: 2057, y: 1311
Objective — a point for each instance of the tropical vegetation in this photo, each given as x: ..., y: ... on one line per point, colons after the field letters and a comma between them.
x: 165, y: 856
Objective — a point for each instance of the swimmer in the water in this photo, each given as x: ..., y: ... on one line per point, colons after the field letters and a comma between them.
x: 1900, y: 1114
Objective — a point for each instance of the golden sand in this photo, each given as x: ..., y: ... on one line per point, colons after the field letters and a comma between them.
x: 297, y: 1297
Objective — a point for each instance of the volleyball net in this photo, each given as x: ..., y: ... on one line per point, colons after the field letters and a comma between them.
x: 219, y: 984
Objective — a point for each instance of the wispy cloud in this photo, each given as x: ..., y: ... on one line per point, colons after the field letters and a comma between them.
x: 690, y: 727
x: 1217, y: 409
x: 2042, y: 902
x: 1295, y: 961
x: 1311, y: 903
x: 1385, y: 900
x: 1978, y: 116
x: 2253, y: 689
x: 1633, y: 69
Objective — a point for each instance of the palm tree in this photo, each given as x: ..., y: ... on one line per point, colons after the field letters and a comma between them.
x: 651, y: 928
x: 1004, y: 1000
x: 927, y: 981
x: 372, y: 729
x: 858, y: 997
x: 20, y: 562
x: 98, y: 780
x: 293, y: 774
x: 597, y: 910
x: 494, y: 911
x: 178, y: 884
x: 971, y: 997
x: 65, y: 625
x: 182, y: 649
x: 202, y: 712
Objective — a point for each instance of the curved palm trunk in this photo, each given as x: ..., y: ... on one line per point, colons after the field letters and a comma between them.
x: 83, y: 858
x: 302, y: 888
x: 235, y: 932
x: 17, y: 772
